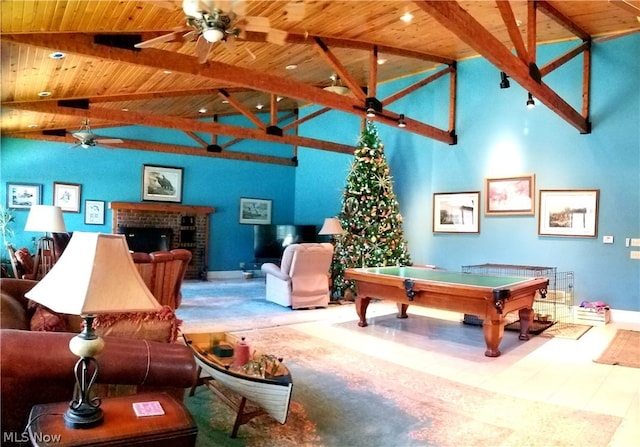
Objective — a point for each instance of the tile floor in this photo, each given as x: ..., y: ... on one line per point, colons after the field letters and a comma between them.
x: 574, y: 380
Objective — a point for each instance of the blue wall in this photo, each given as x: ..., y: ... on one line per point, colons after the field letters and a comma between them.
x: 497, y: 136
x: 500, y: 137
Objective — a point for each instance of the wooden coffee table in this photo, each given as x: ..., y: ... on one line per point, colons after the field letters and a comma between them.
x: 121, y: 426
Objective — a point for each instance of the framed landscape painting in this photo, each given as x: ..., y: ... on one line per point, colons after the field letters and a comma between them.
x: 23, y: 195
x: 510, y: 195
x: 570, y: 213
x: 456, y: 212
x: 255, y: 211
x: 161, y: 184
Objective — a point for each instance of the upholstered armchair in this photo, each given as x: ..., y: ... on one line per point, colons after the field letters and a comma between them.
x: 302, y: 280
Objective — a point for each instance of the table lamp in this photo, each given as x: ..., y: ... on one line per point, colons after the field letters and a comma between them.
x: 331, y: 226
x: 47, y: 219
x: 94, y: 275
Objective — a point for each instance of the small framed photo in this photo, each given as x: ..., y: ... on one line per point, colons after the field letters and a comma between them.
x: 161, y: 184
x: 67, y: 196
x: 22, y: 195
x: 456, y: 212
x: 94, y: 212
x: 510, y: 196
x: 571, y: 213
x: 255, y: 211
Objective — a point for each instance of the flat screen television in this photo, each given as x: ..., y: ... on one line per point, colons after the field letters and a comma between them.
x: 270, y: 241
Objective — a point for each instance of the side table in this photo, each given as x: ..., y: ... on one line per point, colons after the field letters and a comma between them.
x: 121, y: 426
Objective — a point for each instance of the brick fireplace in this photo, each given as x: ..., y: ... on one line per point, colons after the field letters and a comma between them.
x: 189, y: 227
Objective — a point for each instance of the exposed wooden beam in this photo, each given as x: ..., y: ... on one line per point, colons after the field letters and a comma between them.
x: 233, y: 75
x: 512, y: 28
x: 563, y: 59
x: 166, y: 148
x: 561, y: 19
x: 413, y: 87
x: 337, y: 66
x: 451, y: 15
x: 170, y: 122
x: 242, y: 109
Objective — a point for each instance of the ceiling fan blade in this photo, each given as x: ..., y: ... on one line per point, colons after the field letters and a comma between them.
x: 277, y: 36
x: 230, y: 42
x: 257, y: 24
x: 190, y: 36
x: 108, y: 140
x: 202, y: 49
x: 172, y: 36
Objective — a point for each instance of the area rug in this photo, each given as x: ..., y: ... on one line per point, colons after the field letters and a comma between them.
x: 536, y: 328
x: 566, y: 330
x: 234, y: 305
x: 624, y: 350
x: 343, y: 397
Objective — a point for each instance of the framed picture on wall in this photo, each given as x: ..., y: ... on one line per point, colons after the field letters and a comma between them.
x: 571, y: 213
x: 161, y: 183
x: 510, y: 195
x: 94, y: 212
x: 456, y: 212
x: 255, y: 211
x: 23, y: 195
x: 67, y: 196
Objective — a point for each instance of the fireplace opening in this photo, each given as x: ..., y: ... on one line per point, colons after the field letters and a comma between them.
x: 147, y: 239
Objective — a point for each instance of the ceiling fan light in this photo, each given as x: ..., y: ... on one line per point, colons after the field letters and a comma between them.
x: 213, y: 35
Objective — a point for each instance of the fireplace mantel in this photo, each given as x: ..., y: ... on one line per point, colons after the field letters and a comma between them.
x: 162, y: 207
x: 189, y: 225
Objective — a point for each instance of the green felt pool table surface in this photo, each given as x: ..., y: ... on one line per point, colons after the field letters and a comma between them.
x: 441, y: 276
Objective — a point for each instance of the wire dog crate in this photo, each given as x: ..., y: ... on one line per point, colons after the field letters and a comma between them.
x: 556, y: 307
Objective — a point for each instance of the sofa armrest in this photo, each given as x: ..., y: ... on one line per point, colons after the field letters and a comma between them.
x: 272, y: 269
x: 37, y: 367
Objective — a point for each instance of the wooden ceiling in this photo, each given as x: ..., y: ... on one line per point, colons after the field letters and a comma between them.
x: 114, y: 85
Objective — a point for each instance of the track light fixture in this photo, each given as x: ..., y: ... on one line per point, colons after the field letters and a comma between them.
x: 401, y: 122
x: 372, y: 106
x: 530, y: 102
x: 504, y: 80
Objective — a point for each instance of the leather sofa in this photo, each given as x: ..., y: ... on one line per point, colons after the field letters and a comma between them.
x: 37, y: 366
x: 302, y: 279
x: 16, y: 312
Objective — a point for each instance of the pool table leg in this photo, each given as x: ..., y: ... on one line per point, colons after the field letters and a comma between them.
x: 526, y: 320
x: 402, y: 310
x: 493, y: 332
x: 361, y: 308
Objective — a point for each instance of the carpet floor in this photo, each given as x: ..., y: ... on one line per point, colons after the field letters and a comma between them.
x: 346, y: 394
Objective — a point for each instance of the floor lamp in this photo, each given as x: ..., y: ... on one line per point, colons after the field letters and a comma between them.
x: 47, y: 219
x: 331, y: 227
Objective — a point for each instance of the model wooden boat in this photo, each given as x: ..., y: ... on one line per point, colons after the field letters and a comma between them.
x: 268, y: 388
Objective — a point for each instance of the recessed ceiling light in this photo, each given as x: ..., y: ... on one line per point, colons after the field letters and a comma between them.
x: 124, y: 109
x: 382, y: 61
x: 57, y: 55
x: 43, y: 94
x: 259, y: 106
x: 291, y: 67
x: 225, y: 101
x: 406, y: 17
x: 203, y: 110
x: 279, y: 98
x: 167, y: 72
x: 31, y: 126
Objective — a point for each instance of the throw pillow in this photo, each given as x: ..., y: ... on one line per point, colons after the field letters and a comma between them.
x: 46, y: 320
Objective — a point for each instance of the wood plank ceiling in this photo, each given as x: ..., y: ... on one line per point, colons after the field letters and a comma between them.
x: 104, y: 79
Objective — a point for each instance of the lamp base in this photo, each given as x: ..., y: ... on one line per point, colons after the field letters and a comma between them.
x: 83, y: 417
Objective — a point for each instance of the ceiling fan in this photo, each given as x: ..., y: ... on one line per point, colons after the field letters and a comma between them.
x: 209, y: 24
x: 86, y: 138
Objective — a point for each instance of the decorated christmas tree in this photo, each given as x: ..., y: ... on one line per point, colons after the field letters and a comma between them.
x: 370, y: 216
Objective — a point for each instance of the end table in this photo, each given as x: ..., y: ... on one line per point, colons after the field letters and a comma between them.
x: 121, y: 426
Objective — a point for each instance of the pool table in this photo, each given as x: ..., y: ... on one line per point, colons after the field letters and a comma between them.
x: 488, y: 297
